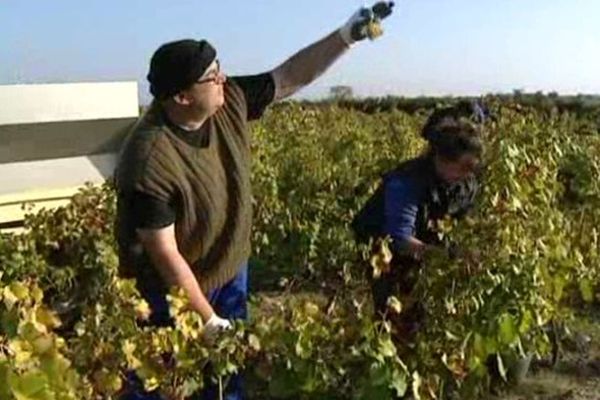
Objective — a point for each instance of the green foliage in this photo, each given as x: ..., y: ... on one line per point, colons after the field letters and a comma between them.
x: 70, y: 328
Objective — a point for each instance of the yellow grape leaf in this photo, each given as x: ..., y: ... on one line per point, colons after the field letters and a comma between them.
x: 151, y: 383
x: 311, y: 309
x: 394, y: 304
x: 254, y: 342
x: 9, y: 298
x: 31, y: 385
x: 19, y: 290
x: 128, y: 349
x: 47, y: 318
x: 42, y: 344
x: 107, y: 382
x: 37, y: 294
x: 386, y: 252
x: 142, y: 310
x: 387, y: 348
x: 416, y: 385
x: 380, y: 261
x: 21, y: 350
x: 190, y: 325
x: 177, y: 299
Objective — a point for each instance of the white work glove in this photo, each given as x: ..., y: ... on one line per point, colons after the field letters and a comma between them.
x: 214, y: 326
x: 365, y: 23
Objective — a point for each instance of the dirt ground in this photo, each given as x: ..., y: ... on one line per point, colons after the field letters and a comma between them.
x: 577, y: 374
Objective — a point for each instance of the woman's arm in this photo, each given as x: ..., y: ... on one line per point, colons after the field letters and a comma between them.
x: 402, y: 198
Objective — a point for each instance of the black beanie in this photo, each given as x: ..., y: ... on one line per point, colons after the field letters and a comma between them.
x: 177, y: 65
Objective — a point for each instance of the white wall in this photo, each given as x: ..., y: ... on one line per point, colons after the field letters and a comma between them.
x: 47, y: 155
x: 67, y: 102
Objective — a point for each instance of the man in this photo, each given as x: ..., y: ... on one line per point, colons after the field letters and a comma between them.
x: 183, y: 177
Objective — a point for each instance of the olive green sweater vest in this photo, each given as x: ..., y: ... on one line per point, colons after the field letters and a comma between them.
x: 209, y: 188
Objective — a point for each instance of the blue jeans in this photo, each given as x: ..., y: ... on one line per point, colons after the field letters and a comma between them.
x: 228, y: 301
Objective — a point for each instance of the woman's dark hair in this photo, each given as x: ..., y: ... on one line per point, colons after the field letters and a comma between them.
x: 454, y: 131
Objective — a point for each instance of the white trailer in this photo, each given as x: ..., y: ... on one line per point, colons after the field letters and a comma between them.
x: 54, y: 138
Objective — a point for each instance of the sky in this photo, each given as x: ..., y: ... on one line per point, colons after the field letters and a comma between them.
x: 430, y: 47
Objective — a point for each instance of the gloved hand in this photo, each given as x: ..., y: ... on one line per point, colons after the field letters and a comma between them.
x: 366, y: 22
x: 214, y: 326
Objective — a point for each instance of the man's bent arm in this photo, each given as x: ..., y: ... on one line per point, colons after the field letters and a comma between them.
x: 161, y: 246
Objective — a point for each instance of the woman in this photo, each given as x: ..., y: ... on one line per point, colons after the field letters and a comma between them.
x: 440, y: 183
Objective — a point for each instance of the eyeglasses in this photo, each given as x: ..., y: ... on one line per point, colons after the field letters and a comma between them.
x: 213, y: 75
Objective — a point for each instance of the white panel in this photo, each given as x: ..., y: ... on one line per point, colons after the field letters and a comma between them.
x: 22, y: 104
x: 27, y: 176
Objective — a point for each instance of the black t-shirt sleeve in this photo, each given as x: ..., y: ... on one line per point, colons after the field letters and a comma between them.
x: 148, y: 212
x: 259, y: 91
